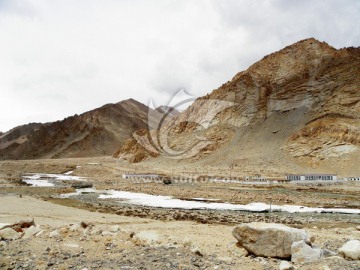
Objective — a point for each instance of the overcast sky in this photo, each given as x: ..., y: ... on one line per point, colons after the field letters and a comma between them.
x: 61, y: 57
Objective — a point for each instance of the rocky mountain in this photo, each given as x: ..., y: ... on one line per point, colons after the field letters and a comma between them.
x: 168, y: 110
x: 300, y: 105
x: 94, y: 133
x: 18, y: 135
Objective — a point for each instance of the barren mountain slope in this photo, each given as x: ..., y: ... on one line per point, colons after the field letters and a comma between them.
x: 93, y: 133
x: 18, y: 135
x: 300, y: 105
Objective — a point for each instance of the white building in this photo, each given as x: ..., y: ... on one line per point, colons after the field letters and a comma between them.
x: 143, y: 176
x: 311, y: 177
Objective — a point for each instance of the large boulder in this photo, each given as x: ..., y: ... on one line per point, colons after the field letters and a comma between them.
x: 351, y: 250
x: 268, y: 239
x: 303, y: 253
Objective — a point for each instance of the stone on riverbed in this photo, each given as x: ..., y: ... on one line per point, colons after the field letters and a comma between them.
x: 303, y: 253
x: 78, y: 184
x: 351, y: 250
x: 32, y: 231
x: 285, y: 265
x: 9, y: 234
x: 268, y: 239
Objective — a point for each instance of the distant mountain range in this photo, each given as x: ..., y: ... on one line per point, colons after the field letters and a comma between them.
x: 94, y: 133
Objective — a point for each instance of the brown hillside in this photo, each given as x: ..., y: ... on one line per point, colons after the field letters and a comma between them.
x: 298, y: 106
x: 94, y: 133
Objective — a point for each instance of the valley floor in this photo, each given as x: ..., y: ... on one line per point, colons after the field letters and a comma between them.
x: 120, y: 236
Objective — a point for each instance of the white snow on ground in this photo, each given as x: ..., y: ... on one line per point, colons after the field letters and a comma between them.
x: 69, y: 172
x: 169, y: 202
x: 38, y: 183
x: 63, y: 177
x: 79, y: 192
x: 205, y: 199
x: 46, y: 179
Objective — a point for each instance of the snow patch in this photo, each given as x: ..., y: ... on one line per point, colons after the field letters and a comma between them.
x: 62, y: 177
x: 48, y: 179
x: 79, y: 192
x: 169, y: 202
x: 38, y: 183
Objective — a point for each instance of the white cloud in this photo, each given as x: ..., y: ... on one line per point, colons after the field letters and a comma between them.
x: 61, y: 57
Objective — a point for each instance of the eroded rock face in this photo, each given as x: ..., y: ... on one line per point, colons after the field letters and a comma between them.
x: 268, y: 239
x: 351, y: 250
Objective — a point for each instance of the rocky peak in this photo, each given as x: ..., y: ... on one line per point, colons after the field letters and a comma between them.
x: 306, y: 94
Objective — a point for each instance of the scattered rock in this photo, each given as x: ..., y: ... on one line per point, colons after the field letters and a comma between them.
x: 76, y: 227
x: 114, y: 228
x: 18, y: 226
x: 9, y: 234
x: 107, y: 233
x: 303, y: 253
x: 196, y: 251
x: 351, y: 250
x: 148, y: 237
x: 238, y: 250
x: 268, y: 239
x: 327, y: 253
x: 95, y: 232
x: 71, y: 245
x: 358, y: 228
x: 31, y: 231
x: 3, y: 244
x: 84, y: 225
x: 285, y: 265
x: 54, y: 234
x: 79, y: 184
